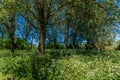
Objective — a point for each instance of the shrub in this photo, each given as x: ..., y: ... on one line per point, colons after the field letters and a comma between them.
x: 117, y: 45
x: 65, y: 65
x: 82, y: 46
x: 20, y: 44
x: 52, y: 46
x: 18, y: 67
x: 4, y: 43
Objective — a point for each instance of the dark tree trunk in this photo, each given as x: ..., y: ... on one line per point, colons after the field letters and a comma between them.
x: 74, y: 39
x: 12, y: 41
x: 41, y: 46
x: 54, y: 36
x: 87, y: 46
x: 55, y: 43
x: 66, y: 38
x: 31, y: 43
x: 3, y: 35
x: 43, y: 19
x: 66, y: 35
x: 12, y: 35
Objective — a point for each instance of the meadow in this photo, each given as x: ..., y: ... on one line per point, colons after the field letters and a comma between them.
x: 60, y: 65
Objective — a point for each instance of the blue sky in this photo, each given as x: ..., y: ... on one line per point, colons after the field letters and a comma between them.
x: 20, y: 31
x: 118, y: 3
x: 117, y: 35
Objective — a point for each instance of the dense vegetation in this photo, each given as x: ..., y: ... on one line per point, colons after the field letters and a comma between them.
x: 60, y: 64
x: 62, y: 22
x: 59, y: 39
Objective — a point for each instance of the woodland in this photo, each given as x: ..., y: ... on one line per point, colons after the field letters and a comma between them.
x: 59, y: 39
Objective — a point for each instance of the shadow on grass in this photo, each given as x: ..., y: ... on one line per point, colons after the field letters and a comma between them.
x: 59, y: 54
x: 43, y: 67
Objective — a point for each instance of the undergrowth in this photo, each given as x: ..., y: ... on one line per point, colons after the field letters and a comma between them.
x: 60, y: 65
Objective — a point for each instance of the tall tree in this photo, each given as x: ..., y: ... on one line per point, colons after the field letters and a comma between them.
x: 42, y: 11
x: 97, y: 21
x: 8, y: 18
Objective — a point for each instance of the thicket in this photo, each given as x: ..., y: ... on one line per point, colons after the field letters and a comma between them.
x: 19, y: 44
x: 62, y: 65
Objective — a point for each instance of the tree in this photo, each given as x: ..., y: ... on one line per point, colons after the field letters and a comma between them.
x: 97, y: 22
x: 42, y: 11
x: 7, y: 18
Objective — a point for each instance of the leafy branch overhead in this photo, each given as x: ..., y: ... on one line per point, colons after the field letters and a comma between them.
x: 93, y: 21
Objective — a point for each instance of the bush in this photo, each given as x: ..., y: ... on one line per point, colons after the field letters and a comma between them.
x: 82, y: 46
x: 4, y: 43
x: 65, y: 65
x: 17, y: 66
x: 20, y: 44
x: 71, y: 46
x: 112, y: 47
x: 52, y: 46
x: 117, y: 45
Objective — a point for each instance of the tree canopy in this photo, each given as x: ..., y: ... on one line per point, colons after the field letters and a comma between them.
x: 92, y: 21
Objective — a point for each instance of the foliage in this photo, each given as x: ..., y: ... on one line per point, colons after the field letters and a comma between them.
x: 92, y: 20
x: 4, y: 43
x: 117, y: 45
x: 17, y: 67
x: 95, y: 21
x: 52, y: 46
x: 112, y: 47
x: 62, y: 64
x: 20, y: 44
x: 82, y: 46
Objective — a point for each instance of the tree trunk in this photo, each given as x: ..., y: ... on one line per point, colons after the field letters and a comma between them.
x: 66, y: 33
x: 42, y: 39
x: 54, y: 36
x: 42, y: 27
x: 55, y: 43
x: 12, y: 30
x: 87, y: 45
x: 3, y: 36
x: 12, y: 41
x: 74, y: 39
x: 66, y: 37
x: 43, y: 23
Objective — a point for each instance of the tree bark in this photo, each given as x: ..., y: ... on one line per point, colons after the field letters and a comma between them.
x: 55, y: 43
x: 74, y: 40
x: 12, y: 30
x: 66, y: 37
x: 87, y: 45
x: 54, y: 36
x: 12, y: 41
x: 66, y: 33
x: 41, y: 46
x: 42, y: 27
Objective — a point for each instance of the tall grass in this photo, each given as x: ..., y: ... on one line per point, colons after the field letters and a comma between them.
x: 60, y: 65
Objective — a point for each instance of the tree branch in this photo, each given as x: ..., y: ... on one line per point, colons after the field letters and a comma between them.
x: 64, y: 4
x: 30, y: 22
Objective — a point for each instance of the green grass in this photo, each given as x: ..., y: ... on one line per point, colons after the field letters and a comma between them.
x: 60, y: 65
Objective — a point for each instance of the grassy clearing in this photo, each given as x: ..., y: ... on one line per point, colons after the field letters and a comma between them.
x: 60, y: 65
